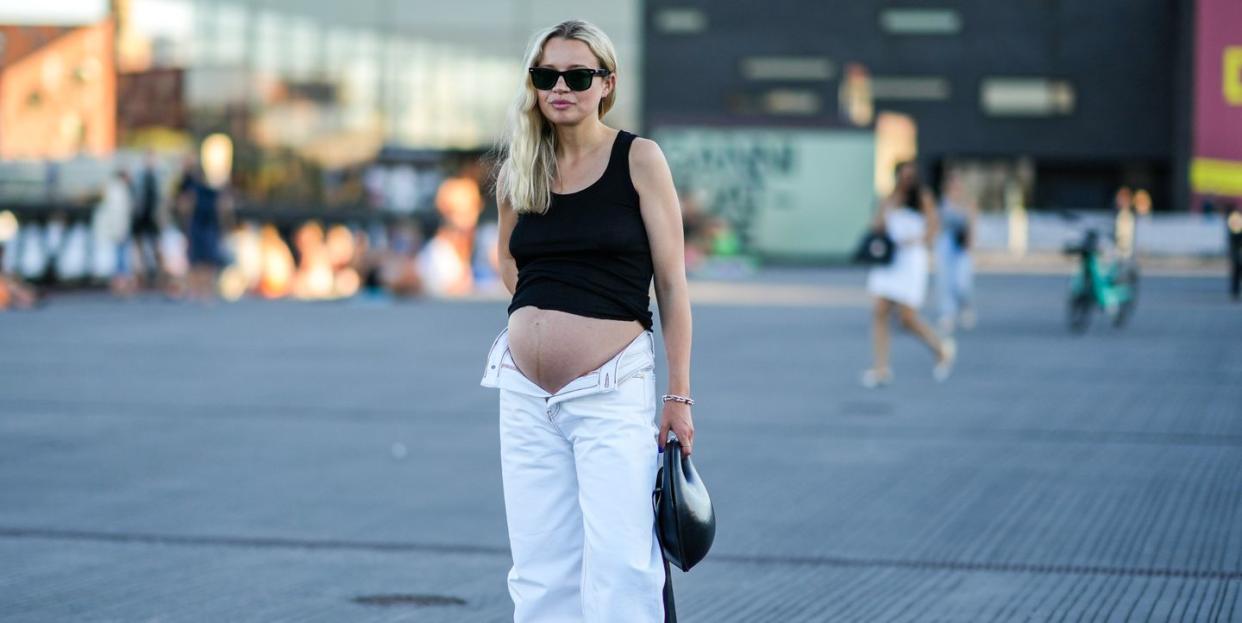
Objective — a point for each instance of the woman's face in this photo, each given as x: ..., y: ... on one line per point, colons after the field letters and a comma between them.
x: 560, y: 105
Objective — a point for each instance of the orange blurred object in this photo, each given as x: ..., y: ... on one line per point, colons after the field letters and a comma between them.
x: 277, y: 277
x: 340, y: 246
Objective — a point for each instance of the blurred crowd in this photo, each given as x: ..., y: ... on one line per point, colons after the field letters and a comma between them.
x: 167, y: 225
x: 183, y: 233
x: 170, y: 226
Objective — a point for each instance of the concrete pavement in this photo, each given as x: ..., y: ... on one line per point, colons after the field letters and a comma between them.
x: 280, y: 461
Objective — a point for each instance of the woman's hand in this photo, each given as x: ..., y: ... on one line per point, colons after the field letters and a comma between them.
x: 676, y: 416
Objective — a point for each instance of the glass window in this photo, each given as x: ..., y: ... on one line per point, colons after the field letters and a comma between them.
x: 920, y: 21
x: 792, y: 102
x: 1026, y: 97
x: 928, y: 88
x: 787, y: 68
x: 267, y: 44
x: 302, y: 53
x: 680, y: 20
x: 167, y: 29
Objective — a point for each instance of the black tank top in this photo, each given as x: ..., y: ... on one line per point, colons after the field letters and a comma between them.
x: 589, y: 254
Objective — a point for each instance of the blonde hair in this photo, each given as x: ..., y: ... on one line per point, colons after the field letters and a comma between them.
x: 529, y: 160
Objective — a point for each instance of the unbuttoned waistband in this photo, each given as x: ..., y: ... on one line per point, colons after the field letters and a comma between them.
x: 501, y: 371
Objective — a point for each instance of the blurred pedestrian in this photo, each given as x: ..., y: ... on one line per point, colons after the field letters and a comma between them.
x: 206, y: 207
x: 398, y: 268
x: 1123, y: 222
x: 588, y: 216
x: 1206, y: 206
x: 111, y: 225
x: 908, y: 216
x: 954, y: 267
x: 145, y: 230
x: 1233, y: 226
x: 14, y: 293
x: 450, y: 250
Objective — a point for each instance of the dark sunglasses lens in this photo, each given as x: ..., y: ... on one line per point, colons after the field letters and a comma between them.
x: 579, y: 79
x: 543, y: 79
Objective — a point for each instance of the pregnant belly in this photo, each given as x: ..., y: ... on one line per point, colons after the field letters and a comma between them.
x: 552, y: 348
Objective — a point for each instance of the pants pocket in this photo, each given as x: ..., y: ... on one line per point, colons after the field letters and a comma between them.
x: 638, y: 389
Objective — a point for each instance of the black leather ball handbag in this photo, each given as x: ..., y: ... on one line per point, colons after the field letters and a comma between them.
x: 685, y: 519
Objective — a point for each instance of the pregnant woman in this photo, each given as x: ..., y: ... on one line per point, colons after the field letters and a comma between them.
x: 588, y: 218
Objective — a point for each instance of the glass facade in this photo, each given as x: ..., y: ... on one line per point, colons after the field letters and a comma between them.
x: 305, y: 73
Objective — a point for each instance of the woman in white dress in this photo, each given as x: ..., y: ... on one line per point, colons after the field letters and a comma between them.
x: 908, y: 216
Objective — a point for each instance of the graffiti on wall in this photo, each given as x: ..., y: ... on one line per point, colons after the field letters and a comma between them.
x: 736, y: 174
x: 787, y: 192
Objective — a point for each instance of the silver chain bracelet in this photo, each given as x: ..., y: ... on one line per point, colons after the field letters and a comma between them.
x: 685, y: 400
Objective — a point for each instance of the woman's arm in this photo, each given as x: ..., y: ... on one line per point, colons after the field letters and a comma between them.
x: 932, y: 220
x: 877, y: 217
x: 662, y: 218
x: 507, y: 219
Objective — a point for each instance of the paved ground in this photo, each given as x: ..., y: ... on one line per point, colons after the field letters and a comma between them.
x: 279, y: 461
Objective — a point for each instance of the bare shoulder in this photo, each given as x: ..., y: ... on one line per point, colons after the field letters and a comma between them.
x: 647, y: 162
x: 645, y: 149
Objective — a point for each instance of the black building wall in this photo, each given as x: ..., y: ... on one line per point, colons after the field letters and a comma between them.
x: 1118, y: 55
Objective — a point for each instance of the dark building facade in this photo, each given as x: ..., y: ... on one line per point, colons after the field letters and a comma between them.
x: 1085, y: 96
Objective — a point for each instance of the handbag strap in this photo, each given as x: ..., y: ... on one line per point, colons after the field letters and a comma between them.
x: 670, y: 608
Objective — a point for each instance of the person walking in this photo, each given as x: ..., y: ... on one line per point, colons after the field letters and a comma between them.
x: 1233, y: 227
x: 908, y: 216
x: 145, y: 229
x: 110, y: 222
x: 954, y: 267
x: 588, y: 216
x: 1124, y: 223
x: 207, y: 212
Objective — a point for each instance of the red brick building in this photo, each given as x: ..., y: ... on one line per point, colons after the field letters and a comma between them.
x: 57, y: 91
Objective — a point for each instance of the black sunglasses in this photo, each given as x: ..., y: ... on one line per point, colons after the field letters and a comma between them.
x: 545, y: 78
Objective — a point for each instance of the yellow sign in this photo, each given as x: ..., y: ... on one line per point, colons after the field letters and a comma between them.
x: 1218, y: 177
x: 1231, y: 81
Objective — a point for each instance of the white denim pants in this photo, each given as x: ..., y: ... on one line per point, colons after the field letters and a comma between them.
x: 578, y: 468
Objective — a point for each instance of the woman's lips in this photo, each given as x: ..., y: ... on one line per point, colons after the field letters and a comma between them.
x: 562, y: 104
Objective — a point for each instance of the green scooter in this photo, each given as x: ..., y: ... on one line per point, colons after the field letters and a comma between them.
x: 1112, y: 288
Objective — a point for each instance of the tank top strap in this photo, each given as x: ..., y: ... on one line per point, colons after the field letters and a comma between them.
x: 620, y: 156
x: 619, y: 159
